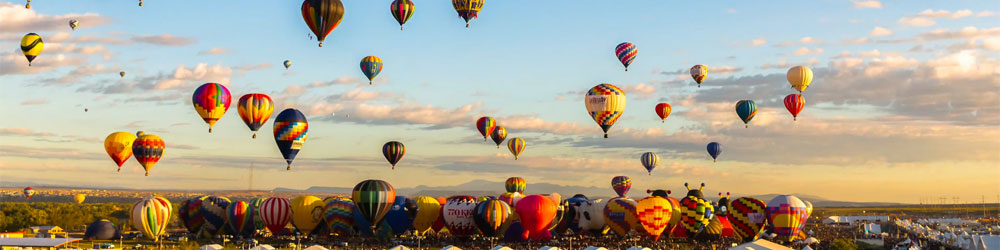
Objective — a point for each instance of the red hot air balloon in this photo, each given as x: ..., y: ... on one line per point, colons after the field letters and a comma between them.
x: 485, y: 125
x: 275, y: 212
x: 794, y: 103
x: 536, y: 214
x: 663, y: 110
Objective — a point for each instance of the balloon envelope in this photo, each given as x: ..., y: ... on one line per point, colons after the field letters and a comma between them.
x: 621, y: 185
x: 746, y: 109
x: 211, y: 101
x: 102, y: 230
x: 373, y: 199
x: 371, y: 66
x: 626, y: 53
x: 696, y: 213
x: 290, y: 132
x: 605, y: 103
x: 119, y: 147
x: 515, y: 184
x: 255, y: 110
x: 307, y: 213
x: 150, y: 216
x: 654, y: 214
x: 428, y: 211
x: 339, y: 215
x: 486, y: 125
x: 747, y: 216
x: 699, y: 72
x: 79, y: 198
x: 620, y: 215
x: 799, y: 77
x: 663, y: 110
x: 536, y: 212
x: 490, y: 216
x: 148, y: 149
x: 714, y: 149
x: 31, y: 46
x: 401, y: 215
x: 498, y: 135
x: 786, y: 214
x: 239, y: 217
x: 322, y: 16
x: 458, y: 215
x: 275, y: 212
x: 649, y: 161
x: 213, y: 210
x: 401, y: 10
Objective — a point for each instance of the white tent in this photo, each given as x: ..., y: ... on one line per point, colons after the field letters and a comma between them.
x: 399, y: 247
x: 807, y: 248
x: 760, y: 245
x: 639, y: 248
x: 501, y: 248
x: 595, y: 248
x: 316, y: 247
x: 450, y: 247
x: 549, y: 248
x: 263, y: 247
x: 211, y: 247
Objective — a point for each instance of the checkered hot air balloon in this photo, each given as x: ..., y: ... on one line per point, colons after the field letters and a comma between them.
x: 696, y: 212
x: 626, y: 52
x: 620, y: 215
x: 151, y: 216
x: 211, y: 101
x: 786, y: 214
x: 605, y: 103
x: 290, y: 132
x: 654, y: 214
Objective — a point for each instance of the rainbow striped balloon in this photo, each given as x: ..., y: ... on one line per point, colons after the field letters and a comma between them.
x: 626, y: 52
x: 151, y: 216
x: 211, y: 100
x: 255, y: 110
x: 516, y: 146
x: 393, y: 152
x: 515, y: 184
x: 148, y: 149
x: 490, y: 216
x: 339, y: 215
x: 322, y: 16
x: 239, y: 216
x: 402, y: 10
x: 621, y: 185
x: 486, y: 125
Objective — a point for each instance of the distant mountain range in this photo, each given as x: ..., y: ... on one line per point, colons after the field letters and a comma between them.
x: 484, y: 187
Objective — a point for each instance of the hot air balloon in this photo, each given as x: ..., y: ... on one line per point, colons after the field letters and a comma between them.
x: 675, y: 216
x: 28, y: 192
x: 605, y: 103
x: 290, y: 132
x: 511, y: 198
x: 73, y: 24
x: 322, y: 16
x: 498, y: 135
x: 574, y: 217
x: 239, y: 217
x: 621, y: 185
x: 747, y: 215
x: 626, y: 52
x: 799, y: 77
x: 794, y: 103
x: 275, y: 212
x: 31, y: 45
x: 307, y: 213
x: 620, y: 214
x: 140, y: 3
x: 746, y: 109
x: 663, y: 110
x: 373, y: 199
x: 468, y: 9
x: 213, y: 210
x: 102, y: 230
x: 122, y: 74
x: 428, y: 211
x: 714, y: 150
x: 590, y: 216
x: 516, y: 146
x: 786, y: 214
x: 79, y: 198
x: 457, y: 214
x: 393, y: 152
x: 515, y: 184
x: 809, y: 208
x: 654, y: 215
x: 696, y: 212
x: 719, y: 227
x: 490, y: 216
x: 536, y: 214
x: 147, y: 150
x: 258, y: 223
x: 699, y: 72
x: 287, y: 64
x: 400, y: 217
x: 27, y: 5
x: 119, y: 147
x: 486, y: 125
x: 339, y: 215
x: 438, y: 225
x: 722, y: 206
x: 150, y: 216
x: 371, y: 66
x: 255, y: 110
x: 402, y: 10
x: 649, y: 160
x: 189, y: 212
x: 211, y: 100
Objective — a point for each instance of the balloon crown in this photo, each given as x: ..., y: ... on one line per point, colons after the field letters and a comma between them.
x: 139, y: 133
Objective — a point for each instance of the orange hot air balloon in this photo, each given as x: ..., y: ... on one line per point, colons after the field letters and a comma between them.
x: 148, y: 149
x: 663, y: 110
x: 255, y: 110
x: 536, y: 213
x: 654, y: 215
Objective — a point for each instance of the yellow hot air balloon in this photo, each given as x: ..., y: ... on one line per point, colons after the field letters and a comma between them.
x: 516, y: 146
x: 605, y: 103
x: 800, y: 77
x: 31, y: 45
x: 428, y: 211
x: 307, y: 213
x: 79, y: 198
x: 119, y: 147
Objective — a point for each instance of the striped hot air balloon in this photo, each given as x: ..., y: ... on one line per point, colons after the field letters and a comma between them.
x: 649, y: 161
x: 515, y: 184
x: 213, y: 210
x: 699, y: 72
x: 373, y: 199
x: 605, y: 103
x: 189, y: 212
x: 621, y: 185
x: 258, y: 224
x: 151, y: 216
x: 119, y: 147
x: 31, y: 46
x: 338, y: 214
x: 747, y: 215
x: 626, y: 52
x: 393, y: 152
x: 490, y: 216
x: 322, y: 16
x: 239, y: 217
x: 290, y: 132
x: 794, y: 103
x: 516, y: 146
x: 468, y: 9
x: 511, y: 198
x: 211, y: 101
x: 148, y: 149
x: 401, y: 10
x: 275, y: 212
x: 486, y: 125
x: 255, y: 110
x: 371, y: 66
x: 746, y: 109
x: 654, y: 214
x: 620, y: 214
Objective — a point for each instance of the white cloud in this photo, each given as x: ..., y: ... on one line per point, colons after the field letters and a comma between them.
x: 18, y: 20
x: 214, y: 51
x: 927, y: 17
x: 39, y: 101
x: 758, y: 42
x: 867, y: 4
x: 164, y: 40
x: 183, y: 77
x: 807, y: 51
x: 986, y: 14
x: 879, y: 31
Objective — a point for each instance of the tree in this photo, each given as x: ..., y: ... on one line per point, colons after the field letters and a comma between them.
x: 843, y: 244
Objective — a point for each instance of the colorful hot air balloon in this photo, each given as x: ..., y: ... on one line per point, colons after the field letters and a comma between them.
x: 28, y: 192
x: 490, y: 216
x: 794, y: 103
x: 696, y: 212
x: 746, y: 109
x: 339, y: 215
x: 498, y: 135
x: 699, y: 72
x: 255, y: 110
x: 747, y: 215
x: 213, y: 210
x: 150, y: 216
x: 438, y: 225
x: 428, y: 211
x: 73, y: 24
x: 675, y: 216
x: 147, y: 150
x: 307, y: 213
x: 457, y: 213
x: 605, y: 103
x: 468, y: 9
x: 401, y: 10
x: 714, y: 150
x: 809, y: 208
x: 31, y: 45
x: 649, y: 160
x: 211, y: 100
x: 121, y: 74
x: 371, y: 66
x: 626, y: 52
x: 79, y: 198
x: 189, y: 212
x: 786, y: 214
x: 663, y: 110
x: 654, y: 215
x: 239, y: 217
x: 799, y: 77
x: 486, y: 125
x: 322, y: 16
x: 400, y: 216
x: 620, y: 214
x: 119, y: 147
x: 511, y: 198
x: 515, y: 184
x: 258, y: 224
x: 722, y: 206
x: 373, y: 199
x: 275, y: 212
x: 536, y: 213
x: 393, y: 152
x: 621, y: 185
x: 287, y: 64
x: 290, y: 132
x: 516, y: 146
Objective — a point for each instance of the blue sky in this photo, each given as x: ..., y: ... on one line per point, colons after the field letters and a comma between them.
x: 904, y: 89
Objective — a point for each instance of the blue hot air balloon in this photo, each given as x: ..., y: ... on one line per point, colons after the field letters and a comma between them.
x: 401, y: 215
x: 714, y: 149
x: 746, y: 109
x: 290, y: 132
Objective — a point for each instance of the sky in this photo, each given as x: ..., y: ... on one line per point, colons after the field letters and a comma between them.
x: 905, y: 104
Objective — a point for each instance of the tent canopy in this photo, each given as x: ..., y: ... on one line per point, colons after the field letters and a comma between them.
x: 211, y: 247
x: 760, y: 244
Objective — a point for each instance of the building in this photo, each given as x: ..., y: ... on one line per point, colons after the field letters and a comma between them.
x: 855, y: 219
x: 12, y: 235
x: 34, y: 243
x: 47, y: 231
